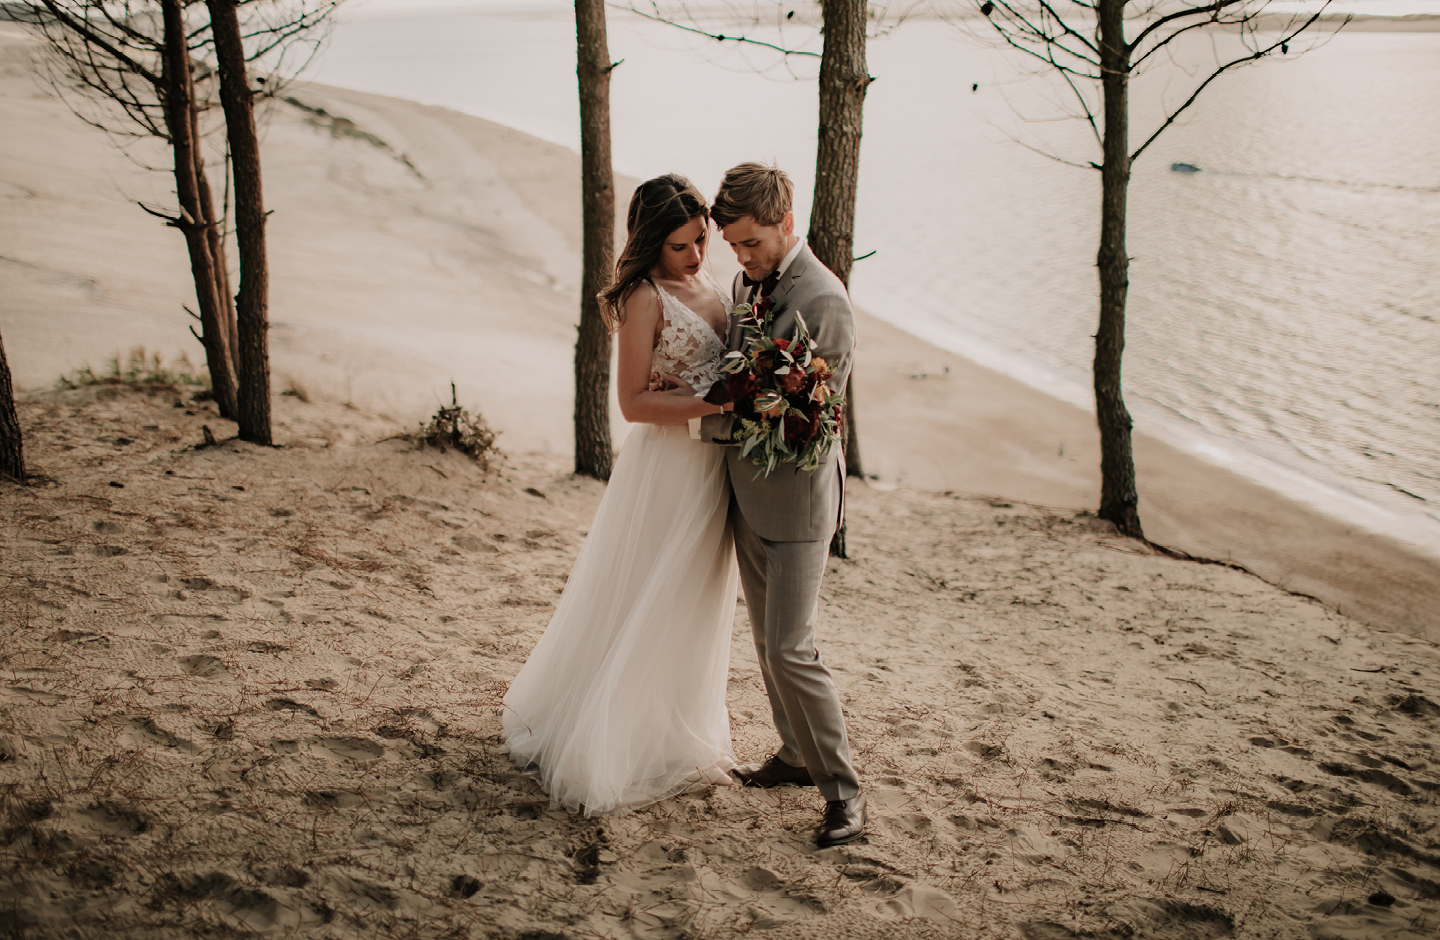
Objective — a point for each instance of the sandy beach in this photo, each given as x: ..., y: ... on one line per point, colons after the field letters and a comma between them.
x: 255, y: 692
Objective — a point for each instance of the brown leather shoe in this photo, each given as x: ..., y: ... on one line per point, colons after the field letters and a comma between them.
x: 773, y: 773
x: 844, y: 821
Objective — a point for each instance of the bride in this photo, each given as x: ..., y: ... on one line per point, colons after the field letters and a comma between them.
x: 622, y: 701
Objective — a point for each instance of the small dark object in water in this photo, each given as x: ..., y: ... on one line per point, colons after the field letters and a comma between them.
x: 1184, y: 168
x: 1382, y: 898
x: 974, y: 86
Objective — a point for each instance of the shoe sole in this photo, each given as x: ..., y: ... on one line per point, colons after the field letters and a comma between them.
x: 830, y: 844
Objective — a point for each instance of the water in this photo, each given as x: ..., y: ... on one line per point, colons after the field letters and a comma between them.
x: 1284, y: 315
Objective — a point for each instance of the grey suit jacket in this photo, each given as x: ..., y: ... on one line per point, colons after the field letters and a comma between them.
x: 790, y: 505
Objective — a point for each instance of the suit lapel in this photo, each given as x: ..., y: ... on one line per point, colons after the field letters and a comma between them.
x: 737, y: 293
x: 785, y: 322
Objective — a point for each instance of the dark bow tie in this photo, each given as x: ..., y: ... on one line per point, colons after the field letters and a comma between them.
x: 766, y: 284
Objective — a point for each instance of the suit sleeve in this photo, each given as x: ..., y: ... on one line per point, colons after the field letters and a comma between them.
x: 714, y: 428
x: 832, y: 326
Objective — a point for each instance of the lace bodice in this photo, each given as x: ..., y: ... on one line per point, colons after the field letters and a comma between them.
x: 688, y: 346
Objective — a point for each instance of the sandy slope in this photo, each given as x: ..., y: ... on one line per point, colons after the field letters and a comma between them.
x: 254, y: 692
x: 412, y: 246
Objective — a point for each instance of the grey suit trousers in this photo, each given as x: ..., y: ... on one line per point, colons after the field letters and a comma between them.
x: 782, y: 587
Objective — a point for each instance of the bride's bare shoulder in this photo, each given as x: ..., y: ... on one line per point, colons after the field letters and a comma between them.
x: 640, y: 310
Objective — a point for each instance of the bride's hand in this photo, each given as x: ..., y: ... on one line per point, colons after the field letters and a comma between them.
x: 670, y: 383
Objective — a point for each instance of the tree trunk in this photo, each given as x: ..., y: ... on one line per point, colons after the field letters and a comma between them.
x: 1118, y: 497
x: 179, y: 105
x: 12, y: 445
x: 216, y: 239
x: 215, y: 235
x: 253, y: 300
x: 223, y: 256
x: 593, y: 452
x: 844, y: 80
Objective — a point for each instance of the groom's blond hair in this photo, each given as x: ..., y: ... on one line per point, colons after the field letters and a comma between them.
x: 758, y: 190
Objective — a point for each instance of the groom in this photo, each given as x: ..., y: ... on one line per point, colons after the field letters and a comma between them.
x: 783, y: 521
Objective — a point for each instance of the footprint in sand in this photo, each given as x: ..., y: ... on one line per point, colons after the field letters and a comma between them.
x: 289, y: 705
x: 1141, y: 917
x: 1370, y: 774
x: 203, y: 667
x: 222, y: 592
x: 1415, y: 705
x: 144, y: 732
x: 332, y: 799
x: 113, y: 818
x: 81, y: 640
x: 900, y: 899
x: 361, y: 750
x: 253, y: 907
x: 473, y: 544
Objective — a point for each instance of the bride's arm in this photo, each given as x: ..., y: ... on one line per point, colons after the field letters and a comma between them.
x: 639, y: 327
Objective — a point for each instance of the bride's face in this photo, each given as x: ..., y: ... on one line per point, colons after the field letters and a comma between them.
x: 683, y: 250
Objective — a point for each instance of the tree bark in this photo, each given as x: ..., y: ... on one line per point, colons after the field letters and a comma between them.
x: 216, y: 237
x: 193, y: 223
x: 1119, y: 499
x: 844, y: 79
x: 593, y: 451
x: 12, y: 444
x: 253, y: 300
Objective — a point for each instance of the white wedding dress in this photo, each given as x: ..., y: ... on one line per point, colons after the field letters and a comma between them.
x: 622, y: 701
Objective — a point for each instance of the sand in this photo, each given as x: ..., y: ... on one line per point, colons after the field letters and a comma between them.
x: 254, y: 692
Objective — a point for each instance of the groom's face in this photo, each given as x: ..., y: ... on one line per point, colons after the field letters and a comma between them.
x: 759, y: 248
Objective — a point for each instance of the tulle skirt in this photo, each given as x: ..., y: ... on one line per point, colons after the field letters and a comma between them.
x: 622, y: 701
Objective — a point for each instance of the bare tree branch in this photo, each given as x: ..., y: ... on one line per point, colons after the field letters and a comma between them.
x: 1284, y: 40
x: 1212, y: 9
x: 721, y: 37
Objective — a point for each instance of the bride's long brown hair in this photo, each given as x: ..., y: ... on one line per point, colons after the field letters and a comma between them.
x: 659, y: 207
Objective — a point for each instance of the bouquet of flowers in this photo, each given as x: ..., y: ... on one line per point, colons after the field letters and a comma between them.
x: 784, y: 411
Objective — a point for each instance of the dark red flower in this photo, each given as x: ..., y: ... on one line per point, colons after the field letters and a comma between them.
x: 797, y: 429
x: 741, y: 386
x: 782, y: 344
x: 791, y: 382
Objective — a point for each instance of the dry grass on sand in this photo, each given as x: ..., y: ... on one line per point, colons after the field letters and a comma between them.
x: 254, y: 692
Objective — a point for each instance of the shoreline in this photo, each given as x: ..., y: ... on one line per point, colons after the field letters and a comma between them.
x: 1330, y: 498
x: 988, y: 434
x: 453, y: 250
